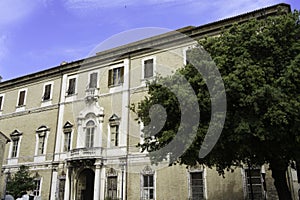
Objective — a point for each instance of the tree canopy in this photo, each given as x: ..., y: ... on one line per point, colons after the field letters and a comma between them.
x: 20, y: 182
x: 259, y: 62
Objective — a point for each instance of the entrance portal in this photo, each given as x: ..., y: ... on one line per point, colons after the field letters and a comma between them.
x: 85, y: 185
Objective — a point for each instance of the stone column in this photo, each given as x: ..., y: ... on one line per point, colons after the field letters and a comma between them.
x: 67, y: 185
x: 102, y: 183
x: 97, y: 181
x: 53, y: 186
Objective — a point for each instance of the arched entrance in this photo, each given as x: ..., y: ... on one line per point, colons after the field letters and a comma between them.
x: 85, y: 185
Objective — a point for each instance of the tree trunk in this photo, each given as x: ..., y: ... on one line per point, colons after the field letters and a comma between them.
x: 280, y: 182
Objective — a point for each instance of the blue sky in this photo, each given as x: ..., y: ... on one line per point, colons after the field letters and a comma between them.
x: 40, y: 34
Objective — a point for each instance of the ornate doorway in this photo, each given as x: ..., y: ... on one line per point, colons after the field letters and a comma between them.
x: 85, y: 185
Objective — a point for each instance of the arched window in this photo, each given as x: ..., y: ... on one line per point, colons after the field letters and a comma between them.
x: 89, y: 137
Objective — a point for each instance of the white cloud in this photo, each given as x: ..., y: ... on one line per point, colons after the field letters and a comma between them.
x: 12, y: 11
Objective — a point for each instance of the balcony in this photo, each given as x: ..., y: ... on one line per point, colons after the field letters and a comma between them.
x: 91, y: 94
x: 85, y: 153
x: 95, y: 152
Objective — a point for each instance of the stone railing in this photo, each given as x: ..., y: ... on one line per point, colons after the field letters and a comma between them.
x: 95, y: 152
x: 91, y: 94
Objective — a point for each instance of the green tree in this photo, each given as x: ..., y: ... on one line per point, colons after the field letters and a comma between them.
x: 259, y: 62
x: 20, y: 182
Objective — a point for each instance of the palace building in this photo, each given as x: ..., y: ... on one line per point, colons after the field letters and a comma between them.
x: 72, y: 126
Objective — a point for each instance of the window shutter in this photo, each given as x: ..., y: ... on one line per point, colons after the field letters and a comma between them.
x: 47, y: 92
x: 93, y: 80
x: 21, y: 98
x: 71, y: 89
x: 148, y: 68
x: 110, y: 77
x: 1, y: 99
x: 122, y: 75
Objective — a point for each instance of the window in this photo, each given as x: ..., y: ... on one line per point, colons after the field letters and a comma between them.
x: 254, y: 183
x: 21, y: 99
x: 41, y: 139
x: 148, y: 185
x: 67, y: 136
x: 67, y: 142
x: 61, y: 187
x: 114, y: 130
x: 89, y: 139
x: 115, y: 76
x: 41, y: 145
x: 148, y: 68
x: 15, y: 137
x: 93, y: 80
x: 196, y: 186
x: 37, y: 188
x: 188, y: 56
x: 114, y: 122
x: 47, y: 92
x: 1, y: 102
x: 112, y: 187
x: 112, y: 184
x: 15, y: 144
x: 71, y: 86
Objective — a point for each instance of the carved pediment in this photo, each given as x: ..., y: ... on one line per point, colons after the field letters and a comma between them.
x: 15, y: 134
x: 42, y: 130
x: 68, y: 125
x: 114, y: 118
x: 148, y: 170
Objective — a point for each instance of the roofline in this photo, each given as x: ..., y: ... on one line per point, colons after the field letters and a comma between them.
x: 150, y: 44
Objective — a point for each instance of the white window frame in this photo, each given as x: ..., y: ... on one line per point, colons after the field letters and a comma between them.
x: 40, y: 179
x: 68, y: 128
x: 185, y: 49
x: 147, y: 171
x: 114, y: 121
x: 47, y: 102
x: 245, y: 182
x: 68, y: 85
x: 143, y: 67
x: 89, y: 80
x: 93, y: 136
x: 2, y: 103
x: 18, y: 136
x: 112, y: 68
x: 41, y: 157
x: 21, y: 107
x: 51, y: 91
x: 200, y: 170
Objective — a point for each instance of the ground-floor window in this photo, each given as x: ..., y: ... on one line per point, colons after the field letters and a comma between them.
x: 196, y: 185
x: 148, y: 186
x: 61, y: 188
x: 37, y: 189
x: 254, y: 183
x: 112, y: 187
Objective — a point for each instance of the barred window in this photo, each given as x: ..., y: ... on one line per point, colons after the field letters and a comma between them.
x: 196, y: 186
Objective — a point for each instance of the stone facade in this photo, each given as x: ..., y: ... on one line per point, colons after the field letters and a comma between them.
x: 73, y: 127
